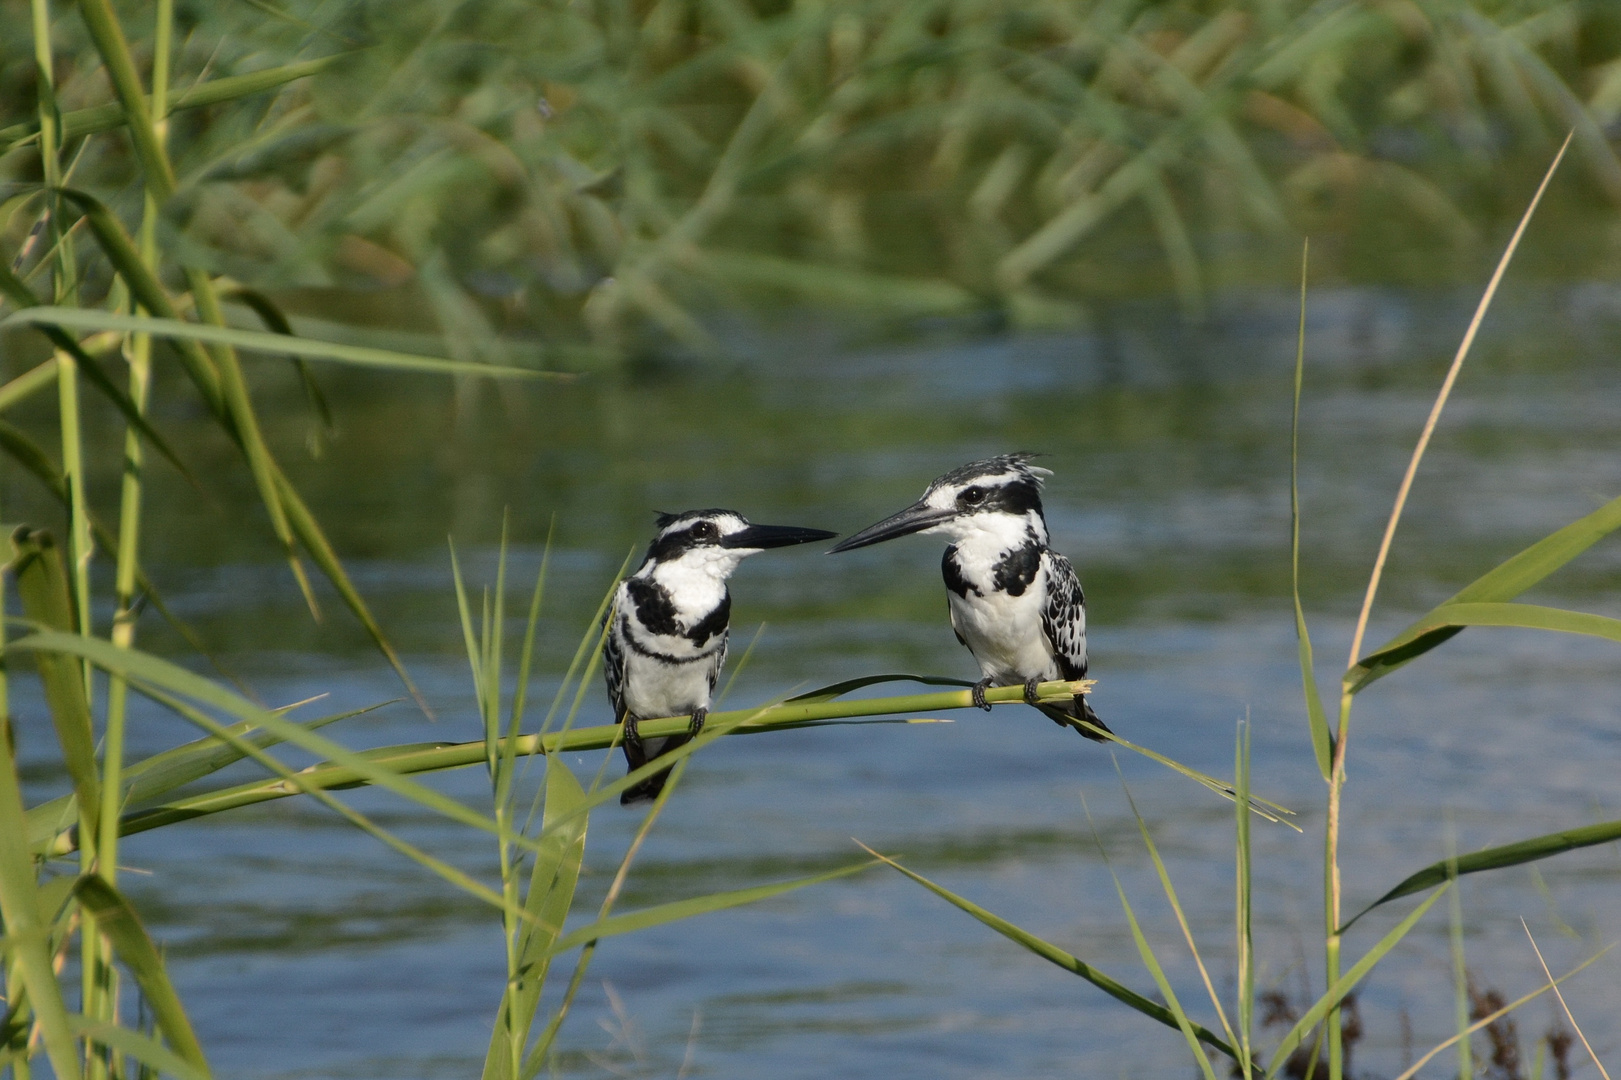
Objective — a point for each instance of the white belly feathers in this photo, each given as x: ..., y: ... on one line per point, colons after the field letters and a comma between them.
x: 1003, y: 631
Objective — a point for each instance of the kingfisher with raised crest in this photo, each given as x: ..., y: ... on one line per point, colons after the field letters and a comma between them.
x: 667, y: 643
x: 1014, y: 602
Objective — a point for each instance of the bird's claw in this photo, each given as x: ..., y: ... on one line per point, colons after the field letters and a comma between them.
x: 1030, y: 695
x: 977, y: 694
x: 633, y: 733
x: 696, y: 724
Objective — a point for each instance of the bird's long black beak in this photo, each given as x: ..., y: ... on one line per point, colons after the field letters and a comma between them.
x: 914, y: 518
x: 760, y: 537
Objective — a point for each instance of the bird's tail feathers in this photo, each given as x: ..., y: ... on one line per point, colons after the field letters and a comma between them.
x: 640, y: 753
x: 1081, y: 710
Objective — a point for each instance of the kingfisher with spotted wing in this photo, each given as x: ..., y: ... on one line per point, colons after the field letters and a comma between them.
x: 667, y: 643
x: 1014, y: 602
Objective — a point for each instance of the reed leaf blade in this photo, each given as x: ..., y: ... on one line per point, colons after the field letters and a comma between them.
x: 42, y: 584
x: 698, y: 905
x: 26, y: 925
x: 145, y: 668
x: 268, y: 342
x: 1053, y: 954
x: 99, y: 118
x: 118, y: 921
x: 144, y: 1049
x: 1331, y: 1000
x: 552, y: 883
x: 1496, y: 858
x: 1450, y: 619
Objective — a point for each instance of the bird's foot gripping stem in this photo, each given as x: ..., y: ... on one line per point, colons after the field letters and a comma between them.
x: 977, y: 694
x: 633, y: 733
x: 696, y: 724
x: 1030, y: 695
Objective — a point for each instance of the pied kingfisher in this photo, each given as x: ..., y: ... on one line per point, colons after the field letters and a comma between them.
x: 1015, y: 602
x: 667, y: 643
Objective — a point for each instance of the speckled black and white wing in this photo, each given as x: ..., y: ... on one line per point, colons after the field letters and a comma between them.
x: 719, y: 660
x: 1063, y: 619
x: 613, y: 658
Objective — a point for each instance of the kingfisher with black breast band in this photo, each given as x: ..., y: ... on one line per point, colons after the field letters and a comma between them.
x: 1015, y: 602
x: 667, y: 643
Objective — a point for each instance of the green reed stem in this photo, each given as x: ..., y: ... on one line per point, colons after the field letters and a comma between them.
x: 436, y: 757
x: 129, y: 512
x: 79, y: 546
x: 126, y: 575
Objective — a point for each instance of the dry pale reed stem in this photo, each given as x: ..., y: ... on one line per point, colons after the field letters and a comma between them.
x: 1440, y: 403
x: 1562, y: 1005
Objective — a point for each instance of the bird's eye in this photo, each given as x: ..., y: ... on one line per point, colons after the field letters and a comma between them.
x: 704, y: 530
x: 972, y: 496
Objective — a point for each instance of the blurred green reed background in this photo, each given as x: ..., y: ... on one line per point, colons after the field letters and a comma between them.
x: 526, y: 192
x: 576, y: 181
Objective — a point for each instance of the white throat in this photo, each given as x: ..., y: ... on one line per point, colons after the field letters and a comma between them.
x: 697, y: 580
x: 988, y: 535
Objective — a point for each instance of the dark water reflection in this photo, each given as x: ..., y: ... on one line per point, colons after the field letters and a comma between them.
x: 304, y: 949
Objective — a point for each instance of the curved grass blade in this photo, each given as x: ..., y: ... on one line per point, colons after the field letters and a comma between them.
x: 149, y: 672
x: 273, y: 318
x: 552, y: 884
x: 31, y: 457
x: 110, y: 42
x: 1496, y: 858
x: 162, y: 773
x: 29, y: 383
x: 1151, y: 962
x: 1264, y: 808
x: 148, y: 291
x: 261, y: 341
x: 1055, y: 955
x: 27, y: 929
x: 285, y: 499
x: 839, y: 689
x: 434, y: 757
x: 1528, y: 617
x: 1346, y: 983
x: 148, y: 1051
x: 118, y: 921
x: 449, y: 873
x: 1492, y: 1018
x: 42, y: 585
x: 1453, y: 616
x: 532, y: 1064
x: 321, y: 553
x: 660, y: 914
x: 1176, y: 909
x: 1322, y: 742
x: 100, y: 118
x: 219, y: 376
x: 22, y: 296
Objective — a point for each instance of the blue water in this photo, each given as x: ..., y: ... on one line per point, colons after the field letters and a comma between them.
x: 303, y: 948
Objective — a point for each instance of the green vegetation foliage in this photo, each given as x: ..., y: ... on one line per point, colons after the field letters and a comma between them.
x: 598, y: 178
x: 591, y: 178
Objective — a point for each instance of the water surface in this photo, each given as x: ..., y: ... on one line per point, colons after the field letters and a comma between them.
x: 305, y: 949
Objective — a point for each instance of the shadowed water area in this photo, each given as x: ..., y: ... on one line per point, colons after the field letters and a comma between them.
x: 303, y: 948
